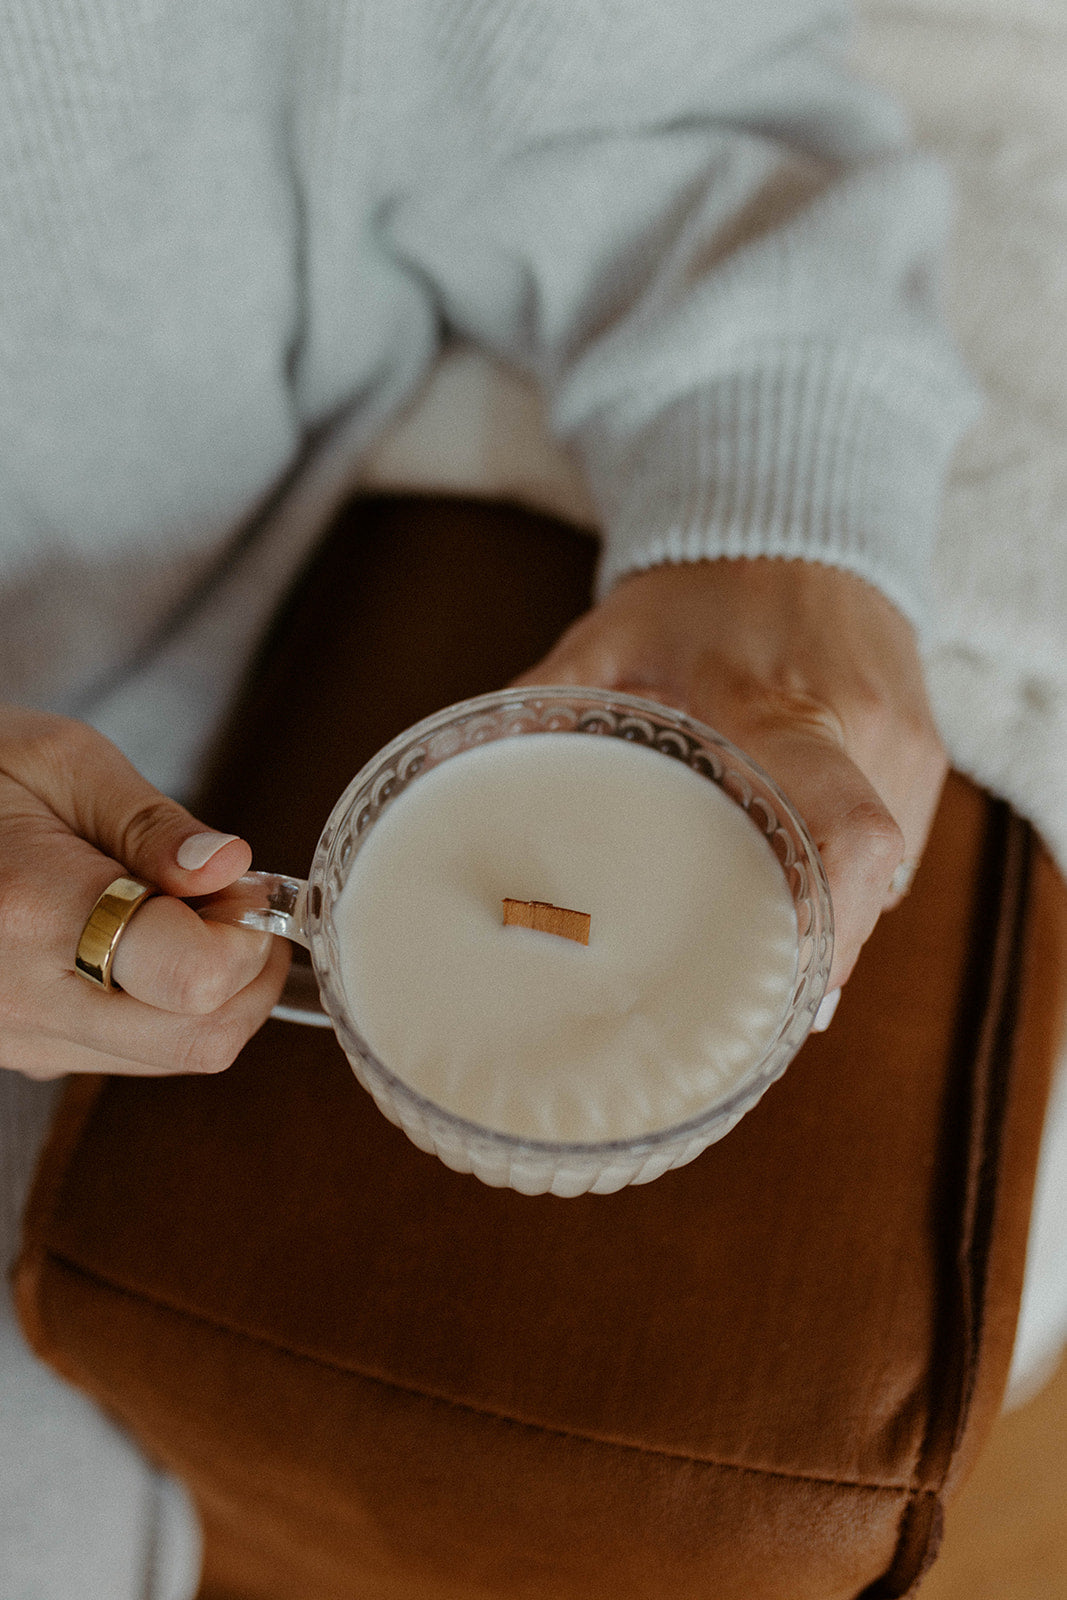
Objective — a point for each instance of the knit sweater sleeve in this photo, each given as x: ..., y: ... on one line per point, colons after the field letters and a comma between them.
x: 718, y: 253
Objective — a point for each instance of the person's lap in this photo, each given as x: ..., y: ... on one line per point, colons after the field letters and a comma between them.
x: 419, y: 643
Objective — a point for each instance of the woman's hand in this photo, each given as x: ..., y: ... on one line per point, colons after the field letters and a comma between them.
x: 813, y: 673
x: 74, y: 815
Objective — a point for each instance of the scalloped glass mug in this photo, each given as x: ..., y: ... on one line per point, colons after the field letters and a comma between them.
x: 303, y: 911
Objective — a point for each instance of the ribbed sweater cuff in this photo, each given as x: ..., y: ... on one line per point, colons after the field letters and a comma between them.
x: 806, y: 458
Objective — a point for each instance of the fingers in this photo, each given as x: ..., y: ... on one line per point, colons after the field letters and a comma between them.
x: 859, y: 841
x: 88, y: 785
x: 171, y: 960
x: 811, y: 672
x: 93, y: 1031
x: 857, y: 838
x: 167, y: 957
x: 74, y: 816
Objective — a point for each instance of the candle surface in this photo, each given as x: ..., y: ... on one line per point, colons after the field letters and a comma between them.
x: 686, y: 979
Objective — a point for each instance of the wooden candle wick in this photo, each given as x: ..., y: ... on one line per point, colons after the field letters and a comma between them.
x: 546, y: 918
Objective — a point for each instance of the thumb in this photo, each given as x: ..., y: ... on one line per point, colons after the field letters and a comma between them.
x: 89, y: 784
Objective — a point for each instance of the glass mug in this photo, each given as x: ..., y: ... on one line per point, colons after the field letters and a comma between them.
x: 304, y: 911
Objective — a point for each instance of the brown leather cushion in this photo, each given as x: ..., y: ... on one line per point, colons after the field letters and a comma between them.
x: 760, y: 1376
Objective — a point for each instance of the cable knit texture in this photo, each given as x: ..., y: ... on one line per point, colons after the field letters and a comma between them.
x: 234, y: 236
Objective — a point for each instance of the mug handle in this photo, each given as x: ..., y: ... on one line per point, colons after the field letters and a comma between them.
x: 269, y: 902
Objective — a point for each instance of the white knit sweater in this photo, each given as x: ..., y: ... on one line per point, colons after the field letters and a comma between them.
x: 233, y: 234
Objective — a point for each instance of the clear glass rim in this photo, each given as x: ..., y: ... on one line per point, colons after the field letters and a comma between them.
x: 761, y: 1074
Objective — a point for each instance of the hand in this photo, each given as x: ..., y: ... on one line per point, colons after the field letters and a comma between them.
x: 813, y: 673
x: 74, y: 815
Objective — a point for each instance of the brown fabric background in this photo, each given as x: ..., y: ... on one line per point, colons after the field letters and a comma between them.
x: 759, y: 1376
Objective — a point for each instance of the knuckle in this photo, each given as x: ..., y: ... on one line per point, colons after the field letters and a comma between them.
x: 194, y: 987
x: 172, y: 960
x: 881, y: 840
x: 142, y: 824
x: 211, y: 1044
x: 209, y: 1048
x: 784, y: 702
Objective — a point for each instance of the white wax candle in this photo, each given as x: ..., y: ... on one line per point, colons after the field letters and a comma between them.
x: 686, y: 978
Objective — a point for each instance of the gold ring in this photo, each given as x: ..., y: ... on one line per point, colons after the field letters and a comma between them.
x: 107, y: 923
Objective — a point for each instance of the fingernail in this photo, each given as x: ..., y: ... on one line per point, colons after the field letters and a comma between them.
x: 199, y: 848
x: 825, y: 1014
